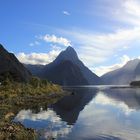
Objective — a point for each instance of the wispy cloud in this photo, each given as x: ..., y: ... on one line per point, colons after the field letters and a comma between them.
x: 66, y: 13
x: 31, y: 44
x: 35, y: 43
x: 124, y: 11
x: 129, y: 12
x: 96, y: 48
x: 56, y: 40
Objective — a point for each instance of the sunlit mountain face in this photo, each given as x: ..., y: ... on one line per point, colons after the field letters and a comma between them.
x: 124, y: 75
x: 103, y: 113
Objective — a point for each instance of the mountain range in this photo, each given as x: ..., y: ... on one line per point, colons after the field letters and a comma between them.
x: 10, y: 66
x: 66, y: 69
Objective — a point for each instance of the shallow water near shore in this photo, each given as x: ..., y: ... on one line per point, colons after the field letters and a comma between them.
x: 89, y: 113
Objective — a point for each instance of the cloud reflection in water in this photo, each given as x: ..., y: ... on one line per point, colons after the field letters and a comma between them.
x: 53, y: 126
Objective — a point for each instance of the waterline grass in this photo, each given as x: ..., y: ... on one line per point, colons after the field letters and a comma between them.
x: 17, y: 96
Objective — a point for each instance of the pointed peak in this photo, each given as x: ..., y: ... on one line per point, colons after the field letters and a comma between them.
x: 68, y: 54
x: 70, y: 49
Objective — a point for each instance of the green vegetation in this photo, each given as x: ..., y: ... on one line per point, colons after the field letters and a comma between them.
x: 16, y: 96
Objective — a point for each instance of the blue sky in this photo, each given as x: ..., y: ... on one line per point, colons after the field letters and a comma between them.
x: 105, y: 33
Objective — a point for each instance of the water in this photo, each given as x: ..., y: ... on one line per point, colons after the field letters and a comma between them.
x: 91, y: 113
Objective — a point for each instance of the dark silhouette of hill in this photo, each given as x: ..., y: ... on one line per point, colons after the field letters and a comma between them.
x: 11, y: 67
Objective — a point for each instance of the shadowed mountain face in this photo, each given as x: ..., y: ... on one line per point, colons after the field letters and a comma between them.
x: 35, y: 69
x: 124, y: 75
x: 66, y: 69
x: 9, y: 65
x: 66, y: 73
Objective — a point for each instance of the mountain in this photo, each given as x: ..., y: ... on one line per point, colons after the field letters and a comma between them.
x: 9, y: 65
x: 66, y: 73
x: 66, y: 69
x: 129, y: 72
x: 35, y: 69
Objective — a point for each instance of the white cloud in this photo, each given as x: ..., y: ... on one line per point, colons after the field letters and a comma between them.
x: 66, y: 13
x: 34, y: 43
x: 56, y: 40
x: 38, y: 58
x: 57, y: 44
x: 104, y: 69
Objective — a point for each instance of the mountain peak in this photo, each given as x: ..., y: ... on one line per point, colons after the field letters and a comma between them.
x: 67, y: 69
x: 69, y: 48
x: 68, y: 54
x: 71, y: 51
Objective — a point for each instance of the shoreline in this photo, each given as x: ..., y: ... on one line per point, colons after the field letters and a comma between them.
x: 15, y: 97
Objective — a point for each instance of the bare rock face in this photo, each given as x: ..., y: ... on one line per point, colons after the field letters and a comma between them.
x: 10, y: 66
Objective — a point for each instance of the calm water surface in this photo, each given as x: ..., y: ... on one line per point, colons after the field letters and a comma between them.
x: 92, y: 113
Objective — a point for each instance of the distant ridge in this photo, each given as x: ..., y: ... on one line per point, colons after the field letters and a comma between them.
x: 66, y: 69
x: 9, y: 65
x: 123, y: 76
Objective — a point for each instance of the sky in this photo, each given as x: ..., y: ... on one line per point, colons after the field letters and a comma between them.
x: 104, y: 33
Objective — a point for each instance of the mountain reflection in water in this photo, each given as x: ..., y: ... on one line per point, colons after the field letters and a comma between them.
x: 89, y: 114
